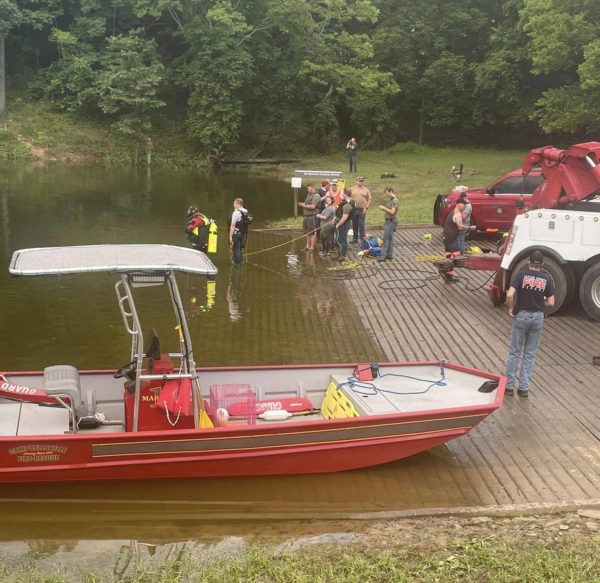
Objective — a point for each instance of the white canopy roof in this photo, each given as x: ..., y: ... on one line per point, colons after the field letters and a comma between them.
x: 111, y: 258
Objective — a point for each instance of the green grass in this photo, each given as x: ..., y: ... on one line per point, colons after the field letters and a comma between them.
x: 493, y: 560
x: 41, y: 131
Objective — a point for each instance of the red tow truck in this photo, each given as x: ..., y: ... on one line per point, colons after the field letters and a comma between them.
x: 562, y: 220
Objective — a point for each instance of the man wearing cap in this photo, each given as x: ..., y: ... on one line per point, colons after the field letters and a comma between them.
x: 361, y: 196
x: 452, y: 228
x: 531, y: 290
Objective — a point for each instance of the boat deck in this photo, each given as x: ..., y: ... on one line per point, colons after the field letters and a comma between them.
x: 541, y: 450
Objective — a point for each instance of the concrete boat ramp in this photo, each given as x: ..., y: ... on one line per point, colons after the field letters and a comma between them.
x: 536, y: 453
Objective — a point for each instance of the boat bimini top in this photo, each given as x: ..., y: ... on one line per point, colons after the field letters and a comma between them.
x: 138, y: 266
x: 110, y: 258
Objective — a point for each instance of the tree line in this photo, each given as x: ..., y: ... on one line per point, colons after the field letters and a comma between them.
x: 275, y: 74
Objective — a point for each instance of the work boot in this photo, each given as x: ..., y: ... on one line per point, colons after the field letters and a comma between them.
x: 523, y: 393
x: 451, y: 278
x: 509, y: 391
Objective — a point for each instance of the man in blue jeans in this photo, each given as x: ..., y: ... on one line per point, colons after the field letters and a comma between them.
x: 531, y: 290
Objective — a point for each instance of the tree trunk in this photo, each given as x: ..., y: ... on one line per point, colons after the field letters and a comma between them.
x: 2, y: 79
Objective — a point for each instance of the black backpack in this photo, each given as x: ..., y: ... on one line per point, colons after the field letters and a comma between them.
x: 247, y: 219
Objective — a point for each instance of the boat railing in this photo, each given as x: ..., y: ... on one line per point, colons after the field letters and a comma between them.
x: 126, y: 315
x: 72, y: 420
x: 165, y: 377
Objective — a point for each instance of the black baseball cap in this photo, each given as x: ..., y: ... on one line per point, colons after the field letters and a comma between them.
x: 461, y: 200
x: 536, y: 258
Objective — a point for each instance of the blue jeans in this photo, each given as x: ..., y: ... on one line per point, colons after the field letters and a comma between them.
x: 342, y: 235
x: 526, y: 334
x: 388, y: 239
x: 461, y: 242
x: 352, y: 160
x: 358, y: 224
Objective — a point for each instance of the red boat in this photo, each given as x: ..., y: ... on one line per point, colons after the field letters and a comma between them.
x: 160, y: 416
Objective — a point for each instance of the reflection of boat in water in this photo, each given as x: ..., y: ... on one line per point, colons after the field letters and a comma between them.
x: 161, y: 417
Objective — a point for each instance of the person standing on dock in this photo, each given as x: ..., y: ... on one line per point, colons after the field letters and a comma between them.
x: 531, y: 290
x: 326, y: 217
x: 352, y: 147
x: 466, y: 219
x: 361, y: 196
x: 335, y: 193
x: 390, y: 211
x: 342, y: 223
x: 309, y: 210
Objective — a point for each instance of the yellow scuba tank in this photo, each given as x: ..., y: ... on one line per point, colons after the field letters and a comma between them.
x: 212, y: 237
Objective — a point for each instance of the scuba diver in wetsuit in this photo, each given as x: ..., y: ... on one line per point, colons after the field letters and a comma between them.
x: 201, y: 231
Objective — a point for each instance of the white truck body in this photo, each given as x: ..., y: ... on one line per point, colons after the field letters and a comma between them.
x: 572, y: 236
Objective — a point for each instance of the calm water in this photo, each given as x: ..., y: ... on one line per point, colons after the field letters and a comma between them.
x: 281, y: 307
x: 273, y: 310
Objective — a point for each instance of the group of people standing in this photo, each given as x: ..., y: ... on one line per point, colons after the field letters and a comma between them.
x: 329, y: 212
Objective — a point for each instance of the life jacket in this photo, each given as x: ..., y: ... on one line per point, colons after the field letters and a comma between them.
x: 339, y: 213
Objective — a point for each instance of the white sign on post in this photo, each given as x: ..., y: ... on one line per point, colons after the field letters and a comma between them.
x: 296, y: 182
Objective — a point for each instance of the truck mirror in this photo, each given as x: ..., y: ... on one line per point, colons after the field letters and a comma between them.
x: 491, y: 191
x: 520, y: 203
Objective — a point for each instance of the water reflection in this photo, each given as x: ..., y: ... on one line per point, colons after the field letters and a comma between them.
x: 235, y: 291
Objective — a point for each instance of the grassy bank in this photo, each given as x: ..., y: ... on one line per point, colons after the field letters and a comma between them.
x: 46, y: 135
x: 495, y: 559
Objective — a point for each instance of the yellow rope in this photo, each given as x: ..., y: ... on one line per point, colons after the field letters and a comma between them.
x: 429, y: 258
x: 282, y: 244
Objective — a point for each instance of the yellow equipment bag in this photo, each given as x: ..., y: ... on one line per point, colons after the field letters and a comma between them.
x: 336, y: 405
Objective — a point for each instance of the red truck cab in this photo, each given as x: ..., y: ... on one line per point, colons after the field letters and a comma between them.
x: 494, y: 206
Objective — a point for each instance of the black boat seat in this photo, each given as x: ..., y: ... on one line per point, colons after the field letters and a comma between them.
x: 63, y: 379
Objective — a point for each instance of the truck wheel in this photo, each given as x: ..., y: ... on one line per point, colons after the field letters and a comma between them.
x: 589, y: 292
x: 564, y: 281
x: 437, y: 205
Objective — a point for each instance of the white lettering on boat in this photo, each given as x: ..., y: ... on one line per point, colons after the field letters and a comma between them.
x: 19, y: 389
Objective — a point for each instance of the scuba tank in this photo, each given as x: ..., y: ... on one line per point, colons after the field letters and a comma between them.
x: 212, y: 237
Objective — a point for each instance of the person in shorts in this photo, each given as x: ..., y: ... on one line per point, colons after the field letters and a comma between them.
x: 309, y: 210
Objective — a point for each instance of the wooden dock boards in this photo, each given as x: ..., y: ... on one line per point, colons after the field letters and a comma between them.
x: 545, y: 449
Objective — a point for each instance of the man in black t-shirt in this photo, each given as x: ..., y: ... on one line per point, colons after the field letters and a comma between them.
x: 531, y: 290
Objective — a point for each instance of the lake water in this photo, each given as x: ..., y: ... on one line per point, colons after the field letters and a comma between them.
x: 282, y: 306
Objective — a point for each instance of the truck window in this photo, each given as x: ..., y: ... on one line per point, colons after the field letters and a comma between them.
x: 510, y: 185
x: 531, y: 183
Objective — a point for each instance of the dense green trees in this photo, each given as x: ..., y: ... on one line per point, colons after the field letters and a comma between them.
x: 275, y: 75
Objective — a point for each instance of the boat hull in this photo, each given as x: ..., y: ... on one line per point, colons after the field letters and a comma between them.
x: 304, y: 447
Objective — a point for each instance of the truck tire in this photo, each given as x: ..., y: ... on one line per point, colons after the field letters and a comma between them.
x: 564, y: 281
x: 437, y: 205
x: 589, y: 292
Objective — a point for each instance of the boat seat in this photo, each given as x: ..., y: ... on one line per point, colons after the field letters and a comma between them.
x: 63, y: 379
